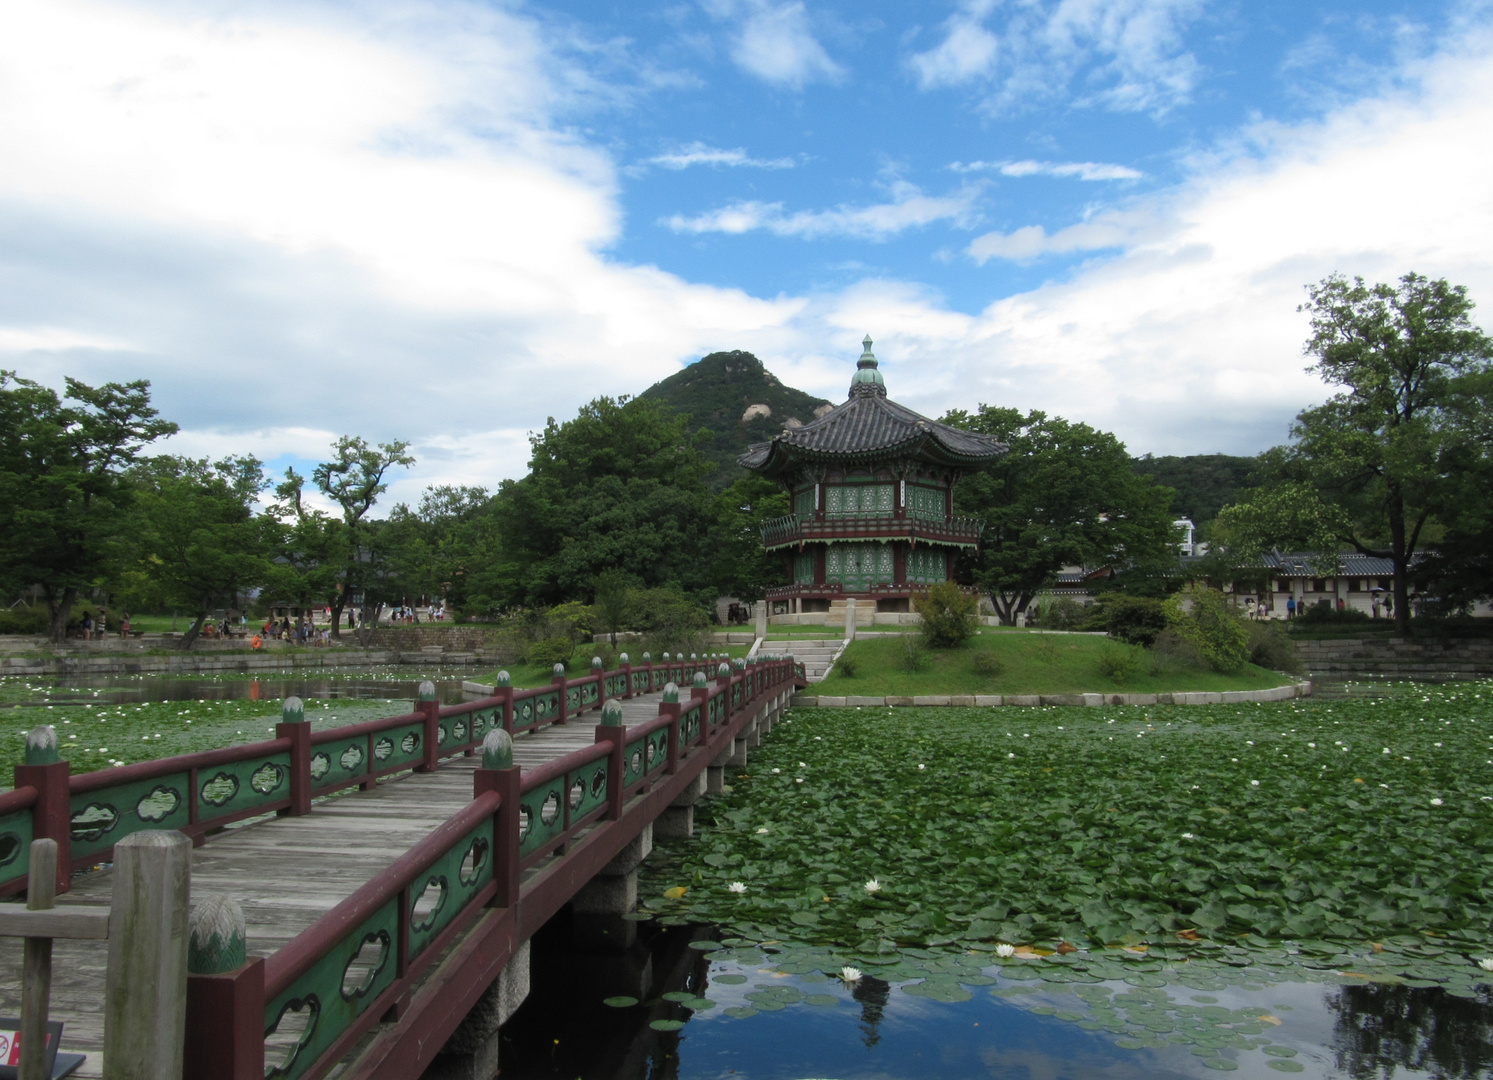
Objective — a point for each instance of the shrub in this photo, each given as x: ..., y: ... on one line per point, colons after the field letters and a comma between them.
x: 669, y: 620
x: 1203, y: 618
x: 1328, y: 615
x: 1119, y: 662
x: 948, y: 613
x: 914, y: 656
x: 1063, y: 613
x: 1135, y: 620
x: 555, y: 650
x: 23, y: 620
x: 847, y: 666
x: 1271, y: 648
x: 987, y: 665
x: 1172, y: 653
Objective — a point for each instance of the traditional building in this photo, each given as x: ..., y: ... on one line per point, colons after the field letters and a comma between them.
x: 872, y: 488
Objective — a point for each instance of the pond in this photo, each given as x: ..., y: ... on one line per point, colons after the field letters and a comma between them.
x: 735, y: 1012
x: 334, y: 683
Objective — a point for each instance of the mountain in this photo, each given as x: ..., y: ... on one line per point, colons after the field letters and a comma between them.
x: 736, y: 399
x: 1203, y: 482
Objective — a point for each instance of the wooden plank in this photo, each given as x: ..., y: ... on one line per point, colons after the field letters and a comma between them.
x: 78, y: 922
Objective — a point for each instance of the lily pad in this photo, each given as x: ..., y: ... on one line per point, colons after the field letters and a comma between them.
x: 621, y: 1001
x: 666, y: 1025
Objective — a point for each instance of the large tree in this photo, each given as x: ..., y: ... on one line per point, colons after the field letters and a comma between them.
x: 1066, y: 494
x: 1382, y: 461
x: 195, y: 537
x: 62, y: 487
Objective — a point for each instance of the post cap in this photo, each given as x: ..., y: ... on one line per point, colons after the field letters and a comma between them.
x: 623, y: 660
x: 504, y: 679
x: 666, y: 658
x: 559, y: 671
x: 497, y: 749
x: 724, y: 671
x: 671, y: 693
x: 611, y: 713
x: 217, y: 937
x: 647, y: 658
x: 595, y: 663
x: 292, y: 710
x: 700, y: 680
x: 427, y: 691
x: 41, y: 746
x: 693, y: 657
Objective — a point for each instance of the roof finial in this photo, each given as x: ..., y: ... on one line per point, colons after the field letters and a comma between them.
x: 867, y: 379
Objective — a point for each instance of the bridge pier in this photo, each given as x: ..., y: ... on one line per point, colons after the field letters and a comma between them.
x: 600, y: 904
x: 471, y: 1053
x: 678, y: 820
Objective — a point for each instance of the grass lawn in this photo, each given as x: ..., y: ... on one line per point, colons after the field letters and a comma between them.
x: 1024, y: 662
x: 1345, y: 822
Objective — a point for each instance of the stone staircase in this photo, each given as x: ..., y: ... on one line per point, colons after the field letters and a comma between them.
x: 865, y: 614
x: 815, y: 655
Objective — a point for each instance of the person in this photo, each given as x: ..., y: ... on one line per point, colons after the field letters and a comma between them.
x: 1342, y: 605
x: 87, y: 626
x: 124, y: 625
x: 1290, y: 607
x: 1376, y: 605
x: 101, y: 623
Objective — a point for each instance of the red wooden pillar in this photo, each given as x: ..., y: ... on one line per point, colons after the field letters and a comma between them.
x: 508, y: 783
x: 430, y: 709
x: 504, y: 693
x: 299, y: 734
x: 615, y: 735
x: 225, y: 1024
x: 52, y: 816
x: 671, y: 709
x: 626, y: 670
x: 558, y: 682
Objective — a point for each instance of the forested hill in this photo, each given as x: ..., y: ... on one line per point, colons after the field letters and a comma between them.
x: 1203, y: 482
x: 725, y: 393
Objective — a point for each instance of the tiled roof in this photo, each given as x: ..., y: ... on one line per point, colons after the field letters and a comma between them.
x: 1301, y: 564
x: 872, y: 424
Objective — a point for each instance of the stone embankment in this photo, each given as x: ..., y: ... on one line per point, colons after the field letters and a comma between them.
x: 145, y: 657
x: 1423, y: 659
x: 1223, y: 697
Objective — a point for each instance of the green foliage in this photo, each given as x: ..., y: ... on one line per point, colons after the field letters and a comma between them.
x: 1203, y: 618
x: 63, y: 491
x: 1061, y: 613
x: 1328, y: 615
x: 1171, y: 654
x: 24, y: 620
x: 1270, y: 647
x: 1119, y: 663
x: 1202, y: 484
x: 614, y: 601
x: 551, y: 651
x: 910, y: 652
x: 740, y: 566
x: 714, y: 393
x: 847, y: 666
x: 1135, y: 620
x: 1065, y: 494
x: 949, y: 614
x: 986, y: 664
x: 1154, y: 812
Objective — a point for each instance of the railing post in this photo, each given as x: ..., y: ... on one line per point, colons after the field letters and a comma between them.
x: 557, y: 680
x: 36, y: 965
x: 52, y: 816
x: 428, y: 707
x: 613, y: 730
x: 669, y: 707
x: 723, y: 680
x: 499, y: 773
x: 503, y: 691
x: 146, y: 986
x: 293, y: 726
x: 225, y: 996
x: 624, y: 665
x: 599, y: 673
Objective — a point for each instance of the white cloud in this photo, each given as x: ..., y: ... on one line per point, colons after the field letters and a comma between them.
x: 1033, y: 241
x: 698, y: 153
x: 1074, y: 170
x: 909, y: 208
x: 775, y: 42
x: 1128, y: 53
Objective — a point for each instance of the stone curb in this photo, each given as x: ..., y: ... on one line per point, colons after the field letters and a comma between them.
x: 1226, y: 697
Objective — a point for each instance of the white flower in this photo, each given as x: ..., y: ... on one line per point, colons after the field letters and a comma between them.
x: 803, y: 764
x: 1385, y: 750
x: 1004, y: 950
x: 1435, y: 802
x: 776, y: 771
x: 798, y: 779
x: 1486, y: 963
x: 736, y: 887
x: 921, y: 767
x: 1010, y: 755
x: 1314, y: 746
x: 1188, y: 836
x: 872, y: 886
x: 1254, y: 783
x: 850, y: 975
x: 761, y: 831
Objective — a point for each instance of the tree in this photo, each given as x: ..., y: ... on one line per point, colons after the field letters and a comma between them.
x: 740, y: 566
x: 62, y: 489
x: 614, y: 600
x: 622, y: 486
x: 353, y: 479
x: 436, y: 548
x: 1378, y: 463
x: 1065, y: 494
x: 195, y: 538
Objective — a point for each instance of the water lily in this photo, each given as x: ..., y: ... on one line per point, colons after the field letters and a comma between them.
x: 736, y: 887
x: 1436, y: 802
x: 1005, y: 951
x: 1486, y: 963
x: 760, y: 832
x: 1254, y: 783
x: 872, y: 886
x: 921, y: 768
x: 850, y: 975
x: 1188, y: 836
x: 776, y: 771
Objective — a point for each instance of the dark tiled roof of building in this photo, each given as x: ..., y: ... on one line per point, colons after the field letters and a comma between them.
x: 871, y: 424
x: 1308, y: 564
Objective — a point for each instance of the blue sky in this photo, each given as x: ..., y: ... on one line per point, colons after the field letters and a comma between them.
x: 444, y: 221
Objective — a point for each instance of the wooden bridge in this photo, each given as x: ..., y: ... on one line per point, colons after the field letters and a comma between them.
x: 389, y: 880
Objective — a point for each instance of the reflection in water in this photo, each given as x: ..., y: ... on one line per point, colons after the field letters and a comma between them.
x: 872, y: 993
x: 1380, y: 1028
x: 115, y: 690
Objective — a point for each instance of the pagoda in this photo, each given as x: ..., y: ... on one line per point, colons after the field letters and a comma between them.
x: 872, y: 485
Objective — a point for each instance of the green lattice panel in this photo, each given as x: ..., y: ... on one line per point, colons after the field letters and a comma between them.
x: 689, y: 725
x: 455, y: 890
x: 15, y: 845
x: 399, y: 746
x: 534, y: 808
x: 103, y: 818
x: 338, y: 761
x: 657, y: 752
x: 242, y: 785
x: 590, y: 694
x: 586, y: 788
x: 736, y: 695
x: 634, y: 762
x: 335, y: 992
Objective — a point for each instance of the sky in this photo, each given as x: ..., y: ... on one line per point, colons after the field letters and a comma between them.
x: 444, y: 222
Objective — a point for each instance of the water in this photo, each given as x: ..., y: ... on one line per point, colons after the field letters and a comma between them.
x: 813, y: 1026
x: 381, y: 683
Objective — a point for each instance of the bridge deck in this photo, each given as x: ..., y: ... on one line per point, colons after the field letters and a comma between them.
x: 287, y: 871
